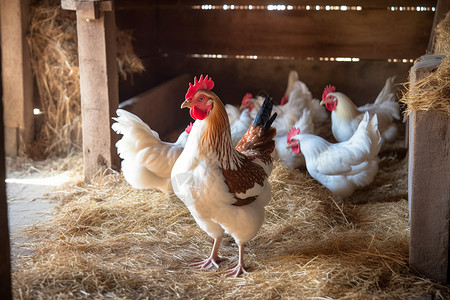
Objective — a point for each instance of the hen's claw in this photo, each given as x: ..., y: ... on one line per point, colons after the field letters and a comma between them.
x: 208, y: 263
x: 236, y: 271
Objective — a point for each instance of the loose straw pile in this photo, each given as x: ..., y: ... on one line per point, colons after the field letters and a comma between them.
x: 52, y: 38
x: 433, y: 91
x: 108, y: 240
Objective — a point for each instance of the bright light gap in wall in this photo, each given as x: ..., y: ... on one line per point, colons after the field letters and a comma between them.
x: 403, y: 60
x: 326, y: 59
x: 412, y: 8
x: 275, y: 7
x: 283, y: 7
x: 56, y: 180
x: 37, y: 111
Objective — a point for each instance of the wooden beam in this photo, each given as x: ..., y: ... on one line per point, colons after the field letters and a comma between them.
x: 17, y: 78
x: 381, y: 4
x: 98, y: 82
x: 428, y: 184
x: 234, y: 78
x: 289, y: 33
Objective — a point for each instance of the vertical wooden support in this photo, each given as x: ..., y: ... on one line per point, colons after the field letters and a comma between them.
x: 17, y: 78
x: 429, y: 187
x: 5, y: 260
x: 98, y: 82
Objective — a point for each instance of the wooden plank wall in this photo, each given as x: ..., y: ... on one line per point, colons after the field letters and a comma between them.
x: 169, y: 33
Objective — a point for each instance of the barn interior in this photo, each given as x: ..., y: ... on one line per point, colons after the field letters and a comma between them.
x: 78, y: 230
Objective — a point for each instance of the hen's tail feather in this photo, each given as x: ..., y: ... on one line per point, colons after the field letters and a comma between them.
x: 263, y: 117
x: 386, y: 99
x: 387, y: 93
x: 269, y: 123
x: 374, y: 135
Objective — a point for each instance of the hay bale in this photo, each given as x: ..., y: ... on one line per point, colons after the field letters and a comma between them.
x: 433, y: 91
x: 110, y: 240
x: 53, y: 45
x: 442, y: 45
x: 52, y: 37
x: 128, y: 62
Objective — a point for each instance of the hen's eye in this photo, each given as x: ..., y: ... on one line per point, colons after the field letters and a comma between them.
x: 201, y: 99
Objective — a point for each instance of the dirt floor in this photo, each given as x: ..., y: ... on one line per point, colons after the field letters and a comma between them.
x: 28, y: 185
x: 27, y: 205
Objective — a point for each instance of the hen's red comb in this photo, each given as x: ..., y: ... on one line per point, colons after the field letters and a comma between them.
x: 201, y: 84
x: 284, y: 100
x: 293, y: 131
x: 246, y: 97
x: 328, y: 89
x: 188, y: 128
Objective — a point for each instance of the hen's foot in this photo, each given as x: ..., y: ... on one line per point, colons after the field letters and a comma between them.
x: 208, y: 263
x: 236, y: 271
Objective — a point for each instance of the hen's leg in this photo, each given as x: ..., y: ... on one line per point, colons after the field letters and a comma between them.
x: 213, y: 259
x: 239, y: 269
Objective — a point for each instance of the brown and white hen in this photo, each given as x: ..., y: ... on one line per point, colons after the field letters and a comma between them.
x: 225, y: 188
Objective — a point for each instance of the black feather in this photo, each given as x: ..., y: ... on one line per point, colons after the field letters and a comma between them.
x: 263, y: 117
x: 269, y: 123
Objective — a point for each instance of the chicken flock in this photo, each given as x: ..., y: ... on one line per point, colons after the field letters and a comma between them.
x: 220, y: 164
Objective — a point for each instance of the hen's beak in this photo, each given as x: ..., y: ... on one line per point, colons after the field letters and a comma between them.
x: 288, y: 146
x: 185, y: 104
x: 322, y: 102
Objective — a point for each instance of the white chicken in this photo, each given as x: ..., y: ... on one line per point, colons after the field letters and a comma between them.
x: 346, y: 116
x: 225, y: 188
x: 301, y: 94
x: 292, y: 78
x: 233, y: 112
x: 253, y: 104
x: 300, y: 98
x: 146, y: 160
x: 300, y: 89
x: 285, y: 155
x: 239, y: 119
x: 344, y: 166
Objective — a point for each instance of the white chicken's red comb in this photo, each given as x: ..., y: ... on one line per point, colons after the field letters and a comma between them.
x: 201, y: 84
x: 188, y: 128
x: 245, y: 98
x: 284, y: 99
x: 293, y: 131
x: 328, y: 89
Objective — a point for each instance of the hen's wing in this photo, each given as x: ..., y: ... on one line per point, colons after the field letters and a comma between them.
x: 147, y: 161
x: 258, y: 140
x: 247, y: 180
x: 350, y: 157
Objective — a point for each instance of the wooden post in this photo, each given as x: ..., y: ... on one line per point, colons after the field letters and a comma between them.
x: 5, y: 257
x: 98, y: 82
x: 17, y: 78
x: 429, y: 185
